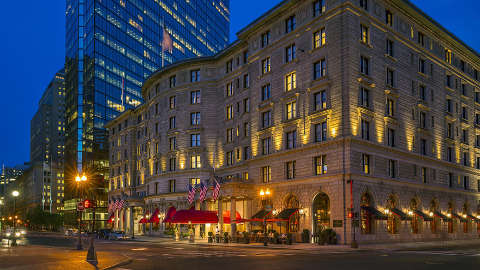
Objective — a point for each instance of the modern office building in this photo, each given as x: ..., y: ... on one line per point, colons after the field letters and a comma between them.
x: 111, y: 48
x: 47, y: 144
x: 322, y: 113
x: 9, y: 175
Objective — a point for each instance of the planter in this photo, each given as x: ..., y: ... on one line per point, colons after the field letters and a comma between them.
x: 210, y: 239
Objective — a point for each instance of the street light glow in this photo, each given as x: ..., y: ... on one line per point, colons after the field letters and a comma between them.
x: 84, y: 178
x: 15, y: 193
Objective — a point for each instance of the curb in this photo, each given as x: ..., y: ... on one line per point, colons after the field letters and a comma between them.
x: 121, y: 263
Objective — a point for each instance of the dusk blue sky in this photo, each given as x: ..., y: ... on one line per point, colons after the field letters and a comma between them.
x: 32, y: 48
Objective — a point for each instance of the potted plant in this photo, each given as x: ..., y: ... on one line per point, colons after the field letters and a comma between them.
x: 330, y: 237
x: 210, y: 237
x: 246, y: 237
x: 306, y: 236
x: 225, y: 237
x: 276, y: 238
x: 289, y: 238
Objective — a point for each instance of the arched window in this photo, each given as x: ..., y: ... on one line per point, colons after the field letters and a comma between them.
x: 450, y: 223
x: 435, y: 222
x: 365, y: 215
x: 290, y: 203
x: 393, y: 221
x: 415, y: 221
x: 321, y: 212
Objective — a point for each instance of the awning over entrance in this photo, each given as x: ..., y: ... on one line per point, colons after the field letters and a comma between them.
x: 154, y: 218
x: 226, y: 218
x: 374, y: 212
x: 284, y: 215
x: 422, y: 215
x: 399, y: 213
x: 194, y: 217
x: 143, y: 220
x: 455, y: 215
x: 170, y: 213
x: 473, y: 218
x: 440, y: 215
x: 261, y: 215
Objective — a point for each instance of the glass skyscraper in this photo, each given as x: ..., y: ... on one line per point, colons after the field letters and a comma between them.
x: 112, y: 46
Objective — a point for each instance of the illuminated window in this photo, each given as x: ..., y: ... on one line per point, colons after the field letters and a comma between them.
x: 390, y: 107
x: 291, y: 109
x: 266, y: 174
x: 266, y: 65
x: 388, y: 18
x: 229, y: 112
x: 195, y: 162
x: 229, y: 89
x: 319, y: 38
x: 448, y: 56
x: 320, y: 165
x: 366, y: 163
x: 291, y: 81
x: 364, y: 34
x: 194, y: 181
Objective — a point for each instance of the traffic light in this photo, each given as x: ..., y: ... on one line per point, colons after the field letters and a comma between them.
x: 89, y: 204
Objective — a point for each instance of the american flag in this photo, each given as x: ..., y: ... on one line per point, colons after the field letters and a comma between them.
x: 167, y: 44
x: 203, y: 191
x: 116, y: 204
x: 120, y: 204
x: 216, y: 190
x: 191, y: 193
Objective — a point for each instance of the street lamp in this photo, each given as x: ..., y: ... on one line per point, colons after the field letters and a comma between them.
x: 264, y: 194
x: 79, y: 180
x: 15, y: 194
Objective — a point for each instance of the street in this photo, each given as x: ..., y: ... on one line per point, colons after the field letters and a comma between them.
x: 56, y: 252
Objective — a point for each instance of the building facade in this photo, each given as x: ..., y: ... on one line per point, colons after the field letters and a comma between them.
x: 111, y: 48
x: 360, y: 116
x: 47, y: 144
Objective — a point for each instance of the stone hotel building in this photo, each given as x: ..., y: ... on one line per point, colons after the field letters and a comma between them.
x: 324, y: 113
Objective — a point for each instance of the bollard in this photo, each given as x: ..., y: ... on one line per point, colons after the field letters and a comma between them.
x: 92, y: 254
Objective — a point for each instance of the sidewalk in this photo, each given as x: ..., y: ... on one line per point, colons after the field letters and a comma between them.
x: 311, y: 247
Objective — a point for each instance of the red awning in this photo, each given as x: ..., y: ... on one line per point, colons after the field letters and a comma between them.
x: 238, y: 218
x: 194, y: 217
x: 143, y: 220
x: 111, y: 218
x: 170, y: 213
x: 154, y: 218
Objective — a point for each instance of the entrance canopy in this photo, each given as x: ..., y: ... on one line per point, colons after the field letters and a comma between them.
x: 284, y: 215
x: 226, y: 218
x: 422, y: 215
x: 261, y: 215
x: 194, y: 217
x: 170, y: 213
x: 399, y: 213
x: 374, y: 212
x: 440, y: 215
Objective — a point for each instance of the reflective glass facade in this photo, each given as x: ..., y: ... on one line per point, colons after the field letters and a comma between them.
x: 112, y: 46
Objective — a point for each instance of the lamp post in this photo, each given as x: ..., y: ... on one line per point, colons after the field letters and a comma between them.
x: 15, y: 194
x: 263, y: 195
x: 79, y: 180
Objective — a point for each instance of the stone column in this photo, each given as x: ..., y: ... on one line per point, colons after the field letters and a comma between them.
x: 233, y: 216
x: 116, y: 220
x: 220, y: 217
x: 124, y: 221
x: 120, y: 219
x: 197, y: 226
x: 132, y: 223
x: 248, y: 214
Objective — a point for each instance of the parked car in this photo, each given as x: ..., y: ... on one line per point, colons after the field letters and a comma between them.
x: 9, y: 233
x: 116, y: 235
x: 69, y: 232
x: 104, y: 233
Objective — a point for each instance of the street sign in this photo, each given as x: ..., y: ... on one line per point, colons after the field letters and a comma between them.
x: 80, y: 206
